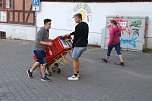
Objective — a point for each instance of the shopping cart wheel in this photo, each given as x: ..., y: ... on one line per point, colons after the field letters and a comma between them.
x: 53, y: 69
x: 59, y: 70
x: 50, y: 74
x: 56, y: 65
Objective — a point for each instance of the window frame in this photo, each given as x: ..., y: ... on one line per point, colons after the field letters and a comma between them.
x: 9, y: 5
x: 6, y: 16
x: 2, y: 4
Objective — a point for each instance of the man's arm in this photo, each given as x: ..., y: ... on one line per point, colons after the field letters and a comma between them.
x: 40, y: 39
x: 50, y: 40
x: 78, y: 29
x: 46, y: 43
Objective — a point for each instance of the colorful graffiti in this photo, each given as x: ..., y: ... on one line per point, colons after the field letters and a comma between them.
x: 120, y: 20
x: 130, y: 30
x: 131, y: 41
x: 135, y: 32
x: 85, y: 10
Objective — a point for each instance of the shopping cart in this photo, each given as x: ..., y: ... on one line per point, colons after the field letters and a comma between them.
x: 56, y: 54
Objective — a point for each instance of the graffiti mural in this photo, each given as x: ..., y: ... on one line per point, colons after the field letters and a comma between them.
x: 132, y: 31
x: 122, y: 23
x: 131, y: 41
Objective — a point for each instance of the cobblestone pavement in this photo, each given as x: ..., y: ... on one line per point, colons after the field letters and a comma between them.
x: 98, y: 81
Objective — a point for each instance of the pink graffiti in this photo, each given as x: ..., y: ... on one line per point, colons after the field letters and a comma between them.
x: 119, y: 20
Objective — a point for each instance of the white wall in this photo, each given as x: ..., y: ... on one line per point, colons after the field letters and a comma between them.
x: 18, y: 31
x: 62, y: 21
x: 61, y: 14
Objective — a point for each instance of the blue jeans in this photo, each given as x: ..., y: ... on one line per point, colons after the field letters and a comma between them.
x: 77, y: 52
x: 41, y: 56
x: 117, y: 48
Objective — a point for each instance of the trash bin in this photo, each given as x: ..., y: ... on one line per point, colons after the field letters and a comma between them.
x: 2, y: 35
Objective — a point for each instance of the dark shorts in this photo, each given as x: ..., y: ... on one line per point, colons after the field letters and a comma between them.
x: 117, y: 48
x: 41, y: 56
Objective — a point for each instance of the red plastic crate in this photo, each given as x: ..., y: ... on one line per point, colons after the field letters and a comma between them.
x: 57, y: 48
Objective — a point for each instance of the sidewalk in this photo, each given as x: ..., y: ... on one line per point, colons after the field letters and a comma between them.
x: 98, y: 81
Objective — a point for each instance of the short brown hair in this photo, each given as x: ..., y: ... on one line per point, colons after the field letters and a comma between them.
x: 46, y: 21
x: 79, y: 15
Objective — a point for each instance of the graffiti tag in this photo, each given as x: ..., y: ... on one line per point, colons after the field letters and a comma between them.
x: 136, y: 23
x: 85, y: 10
x: 131, y: 41
x: 122, y: 23
x: 135, y: 32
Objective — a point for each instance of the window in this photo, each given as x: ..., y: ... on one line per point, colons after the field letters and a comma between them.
x: 9, y: 4
x: 3, y: 16
x: 1, y: 4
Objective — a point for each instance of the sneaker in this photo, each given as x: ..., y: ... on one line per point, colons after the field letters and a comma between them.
x: 104, y: 60
x: 78, y: 75
x: 122, y: 63
x: 29, y: 73
x: 73, y: 77
x: 45, y: 79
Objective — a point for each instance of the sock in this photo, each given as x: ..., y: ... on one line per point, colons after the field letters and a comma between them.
x: 75, y: 75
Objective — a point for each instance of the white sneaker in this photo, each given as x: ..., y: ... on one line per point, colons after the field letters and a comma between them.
x: 78, y: 75
x: 73, y: 77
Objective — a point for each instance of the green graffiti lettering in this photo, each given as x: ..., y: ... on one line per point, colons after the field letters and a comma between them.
x: 136, y: 23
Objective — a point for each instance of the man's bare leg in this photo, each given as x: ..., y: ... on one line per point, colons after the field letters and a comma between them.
x: 43, y: 70
x: 30, y: 71
x: 75, y: 63
x: 78, y: 66
x: 36, y: 64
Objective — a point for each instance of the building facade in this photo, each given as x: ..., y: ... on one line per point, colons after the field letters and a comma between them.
x: 95, y: 13
x: 17, y: 12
